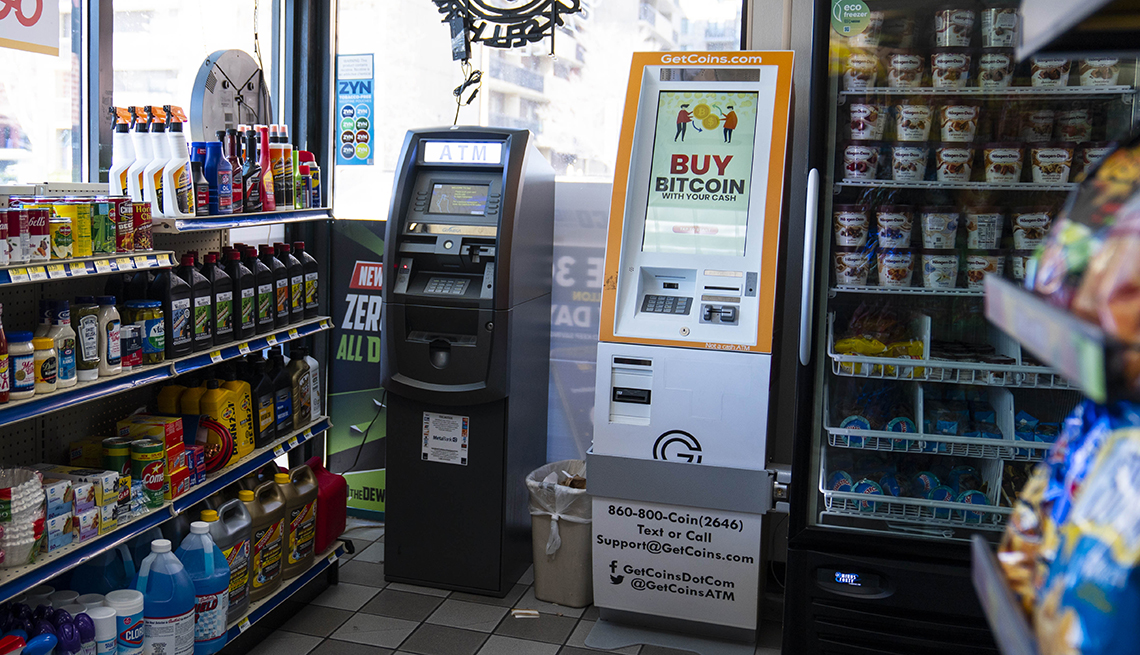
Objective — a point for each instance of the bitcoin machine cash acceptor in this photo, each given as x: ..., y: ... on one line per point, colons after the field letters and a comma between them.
x: 465, y: 357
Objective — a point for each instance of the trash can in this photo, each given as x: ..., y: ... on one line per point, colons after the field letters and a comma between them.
x: 560, y: 517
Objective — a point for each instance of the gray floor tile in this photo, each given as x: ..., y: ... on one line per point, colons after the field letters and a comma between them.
x: 318, y: 621
x: 529, y: 602
x: 442, y: 640
x: 286, y: 643
x: 582, y: 630
x: 346, y: 596
x: 416, y: 589
x: 575, y: 650
x: 548, y: 628
x: 364, y: 533
x: 528, y: 577
x: 373, y: 553
x: 649, y: 649
x: 336, y: 647
x: 469, y: 616
x: 402, y: 605
x: 375, y: 630
x: 509, y: 600
x: 363, y: 573
x: 499, y: 645
x: 591, y: 613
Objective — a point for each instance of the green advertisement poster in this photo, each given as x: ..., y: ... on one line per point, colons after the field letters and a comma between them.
x: 701, y: 174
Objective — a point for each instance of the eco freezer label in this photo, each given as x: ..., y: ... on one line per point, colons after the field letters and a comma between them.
x: 689, y: 563
x: 445, y: 438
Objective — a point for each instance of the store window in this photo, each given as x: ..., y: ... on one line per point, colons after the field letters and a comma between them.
x: 159, y: 45
x: 573, y: 101
x: 39, y: 109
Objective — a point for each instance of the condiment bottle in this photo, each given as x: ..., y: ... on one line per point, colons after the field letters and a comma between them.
x: 47, y: 364
x: 47, y: 315
x: 110, y: 353
x: 22, y: 366
x: 87, y: 338
x: 64, y: 338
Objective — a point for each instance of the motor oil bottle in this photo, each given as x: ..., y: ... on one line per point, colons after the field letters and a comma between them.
x: 309, y: 268
x: 284, y: 254
x: 301, y: 514
x: 314, y: 381
x: 298, y: 372
x: 266, y: 292
x: 265, y: 162
x: 251, y: 174
x: 223, y: 304
x: 191, y: 400
x: 266, y: 508
x: 332, y: 504
x: 175, y: 295
x: 261, y: 389
x: 160, y: 149
x: 221, y: 405
x: 169, y: 399
x: 168, y: 611
x: 267, y: 473
x: 282, y: 395
x: 177, y: 177
x: 122, y: 152
x: 140, y: 139
x: 245, y: 296
x: 210, y: 572
x: 201, y: 299
x: 230, y: 527
x: 244, y: 398
x: 280, y: 285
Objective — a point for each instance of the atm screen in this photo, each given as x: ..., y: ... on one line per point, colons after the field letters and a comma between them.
x: 701, y: 173
x: 462, y: 199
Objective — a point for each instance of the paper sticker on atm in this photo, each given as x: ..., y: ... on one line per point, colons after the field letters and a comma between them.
x: 445, y: 438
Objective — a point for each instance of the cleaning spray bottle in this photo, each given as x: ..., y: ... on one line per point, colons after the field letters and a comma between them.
x: 168, y: 610
x: 122, y: 151
x: 177, y: 176
x: 140, y: 139
x: 208, y: 569
x: 160, y: 150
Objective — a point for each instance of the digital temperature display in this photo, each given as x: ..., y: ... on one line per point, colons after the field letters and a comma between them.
x: 852, y: 579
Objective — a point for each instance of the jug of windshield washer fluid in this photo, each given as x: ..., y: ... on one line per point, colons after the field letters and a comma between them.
x: 105, y: 572
x: 230, y: 528
x: 210, y: 572
x: 300, y: 489
x: 168, y: 610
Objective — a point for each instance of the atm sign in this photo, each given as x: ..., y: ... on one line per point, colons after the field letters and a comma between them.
x: 462, y: 152
x: 367, y: 275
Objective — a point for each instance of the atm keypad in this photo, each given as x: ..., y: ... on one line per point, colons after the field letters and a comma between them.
x: 446, y: 286
x: 666, y: 305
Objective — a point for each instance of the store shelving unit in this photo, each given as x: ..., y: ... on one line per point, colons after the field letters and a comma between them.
x: 17, y: 274
x: 1071, y: 92
x: 907, y: 291
x: 83, y: 392
x: 258, y: 610
x: 16, y: 579
x: 1010, y: 627
x: 232, y: 221
x: 930, y: 185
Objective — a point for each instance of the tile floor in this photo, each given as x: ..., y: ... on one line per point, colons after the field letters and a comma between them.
x: 363, y: 615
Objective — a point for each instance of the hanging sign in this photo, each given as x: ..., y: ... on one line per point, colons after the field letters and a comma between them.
x: 31, y: 25
x: 354, y: 102
x: 507, y: 23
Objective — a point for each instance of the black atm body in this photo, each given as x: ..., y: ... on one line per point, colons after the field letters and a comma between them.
x: 466, y: 347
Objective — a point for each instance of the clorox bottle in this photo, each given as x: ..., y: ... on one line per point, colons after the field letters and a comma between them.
x: 208, y: 568
x: 168, y: 613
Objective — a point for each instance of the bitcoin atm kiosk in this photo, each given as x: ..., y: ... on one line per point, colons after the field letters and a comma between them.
x: 465, y: 355
x: 677, y: 468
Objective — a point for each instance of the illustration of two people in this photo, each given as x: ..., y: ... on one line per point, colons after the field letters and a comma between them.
x: 684, y: 117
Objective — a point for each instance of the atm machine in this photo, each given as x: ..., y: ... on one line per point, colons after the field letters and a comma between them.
x: 677, y: 468
x: 465, y: 355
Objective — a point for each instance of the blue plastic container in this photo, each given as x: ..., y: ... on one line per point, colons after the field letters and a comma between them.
x: 168, y: 611
x: 140, y: 548
x: 210, y: 571
x: 106, y: 572
x: 219, y: 176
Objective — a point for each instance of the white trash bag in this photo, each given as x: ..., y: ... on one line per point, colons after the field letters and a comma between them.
x: 558, y: 501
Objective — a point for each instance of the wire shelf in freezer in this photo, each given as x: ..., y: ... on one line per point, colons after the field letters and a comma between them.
x: 916, y: 510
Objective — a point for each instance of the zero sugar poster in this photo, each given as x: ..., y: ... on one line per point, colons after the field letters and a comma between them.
x: 701, y: 172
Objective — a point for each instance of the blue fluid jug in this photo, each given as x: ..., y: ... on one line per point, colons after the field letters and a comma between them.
x: 168, y: 611
x: 140, y: 545
x: 210, y: 571
x: 106, y: 572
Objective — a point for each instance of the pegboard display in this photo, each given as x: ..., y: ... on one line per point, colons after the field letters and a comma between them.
x: 22, y: 445
x: 203, y: 242
x: 89, y: 420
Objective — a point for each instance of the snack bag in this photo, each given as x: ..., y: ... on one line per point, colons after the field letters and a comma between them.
x: 1092, y: 597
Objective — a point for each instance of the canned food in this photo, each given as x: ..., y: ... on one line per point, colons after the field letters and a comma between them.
x: 17, y: 220
x: 147, y: 316
x: 102, y: 227
x: 117, y: 455
x: 130, y: 338
x: 39, y: 235
x: 142, y: 226
x: 62, y: 237
x: 79, y: 213
x: 147, y: 466
x: 123, y: 210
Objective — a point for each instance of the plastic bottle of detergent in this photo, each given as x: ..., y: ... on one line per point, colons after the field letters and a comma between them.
x: 168, y: 612
x: 299, y: 487
x: 110, y: 570
x: 210, y: 572
x: 266, y: 508
x: 231, y: 531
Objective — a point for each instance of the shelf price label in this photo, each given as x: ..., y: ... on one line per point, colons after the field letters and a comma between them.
x: 325, y: 324
x: 215, y: 356
x: 278, y: 450
x: 56, y: 271
x: 103, y: 266
x: 19, y: 274
x: 37, y: 273
x: 243, y: 348
x: 332, y: 557
x: 271, y: 339
x: 293, y: 333
x: 293, y: 443
x: 78, y: 269
x: 142, y: 262
x: 124, y: 263
x: 243, y: 625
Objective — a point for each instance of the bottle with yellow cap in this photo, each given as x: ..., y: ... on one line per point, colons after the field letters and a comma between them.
x: 191, y: 399
x: 266, y: 507
x: 230, y: 526
x: 169, y: 399
x: 299, y: 486
x: 243, y: 396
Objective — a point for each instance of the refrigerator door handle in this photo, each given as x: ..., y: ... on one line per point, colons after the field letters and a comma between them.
x: 807, y: 292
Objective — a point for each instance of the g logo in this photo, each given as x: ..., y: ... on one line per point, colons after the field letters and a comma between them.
x: 677, y: 446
